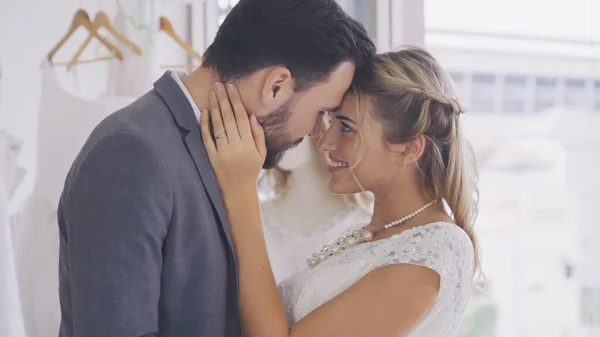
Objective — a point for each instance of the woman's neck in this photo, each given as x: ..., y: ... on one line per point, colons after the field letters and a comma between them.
x: 394, y: 203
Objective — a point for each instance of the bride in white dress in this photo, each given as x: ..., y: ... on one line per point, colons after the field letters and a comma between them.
x: 408, y: 272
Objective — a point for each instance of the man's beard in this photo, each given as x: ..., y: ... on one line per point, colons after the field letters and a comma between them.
x: 277, y: 137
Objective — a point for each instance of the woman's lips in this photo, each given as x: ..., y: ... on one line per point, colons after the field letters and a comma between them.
x: 336, y: 165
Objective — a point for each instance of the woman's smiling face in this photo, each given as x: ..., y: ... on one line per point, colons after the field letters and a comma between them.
x: 359, y: 156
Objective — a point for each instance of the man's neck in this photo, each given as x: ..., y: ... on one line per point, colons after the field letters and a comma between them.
x: 200, y: 83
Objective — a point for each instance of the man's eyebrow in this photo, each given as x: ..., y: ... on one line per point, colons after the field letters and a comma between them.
x: 335, y: 109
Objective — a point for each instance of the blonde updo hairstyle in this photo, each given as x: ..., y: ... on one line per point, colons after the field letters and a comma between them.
x: 413, y: 96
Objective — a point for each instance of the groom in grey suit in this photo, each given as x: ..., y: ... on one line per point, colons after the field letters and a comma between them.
x: 145, y: 247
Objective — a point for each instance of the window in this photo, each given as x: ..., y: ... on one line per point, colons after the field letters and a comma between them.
x: 568, y: 270
x: 515, y: 94
x: 597, y: 95
x: 544, y: 284
x: 225, y: 7
x: 545, y: 93
x: 575, y: 93
x: 484, y: 91
x: 458, y: 79
x: 590, y: 306
x: 363, y: 12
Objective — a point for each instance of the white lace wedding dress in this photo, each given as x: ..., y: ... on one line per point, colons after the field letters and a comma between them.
x: 442, y: 247
x: 288, y: 250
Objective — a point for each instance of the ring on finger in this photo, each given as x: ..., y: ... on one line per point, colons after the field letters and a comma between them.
x: 221, y: 135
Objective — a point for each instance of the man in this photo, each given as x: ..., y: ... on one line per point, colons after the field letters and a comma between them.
x: 145, y: 247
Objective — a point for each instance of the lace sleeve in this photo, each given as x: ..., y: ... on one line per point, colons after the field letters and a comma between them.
x: 441, y: 247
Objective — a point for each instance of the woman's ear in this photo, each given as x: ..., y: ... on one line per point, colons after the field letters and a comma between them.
x: 414, y: 149
x: 409, y: 152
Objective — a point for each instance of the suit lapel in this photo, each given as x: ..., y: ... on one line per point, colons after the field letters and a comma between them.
x: 182, y: 111
x: 195, y: 146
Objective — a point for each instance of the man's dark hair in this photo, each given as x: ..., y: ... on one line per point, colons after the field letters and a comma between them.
x: 309, y: 37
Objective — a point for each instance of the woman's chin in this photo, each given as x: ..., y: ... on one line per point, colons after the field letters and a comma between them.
x: 340, y: 187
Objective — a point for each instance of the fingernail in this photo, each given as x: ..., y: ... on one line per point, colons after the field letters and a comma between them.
x: 219, y: 86
x: 213, y: 96
x: 230, y: 87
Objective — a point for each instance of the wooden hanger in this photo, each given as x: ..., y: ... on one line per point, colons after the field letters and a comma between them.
x: 82, y: 19
x: 102, y: 21
x: 165, y: 26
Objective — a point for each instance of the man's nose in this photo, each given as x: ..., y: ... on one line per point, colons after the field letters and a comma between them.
x: 318, y: 127
x: 328, y: 140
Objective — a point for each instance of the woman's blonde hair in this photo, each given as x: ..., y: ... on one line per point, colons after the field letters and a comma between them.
x: 413, y: 96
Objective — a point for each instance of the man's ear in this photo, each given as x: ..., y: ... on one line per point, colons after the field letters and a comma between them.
x: 277, y: 86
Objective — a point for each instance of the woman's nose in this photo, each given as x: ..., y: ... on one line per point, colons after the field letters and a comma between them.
x: 327, y: 142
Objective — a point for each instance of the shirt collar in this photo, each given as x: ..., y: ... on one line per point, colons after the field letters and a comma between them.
x: 177, y: 75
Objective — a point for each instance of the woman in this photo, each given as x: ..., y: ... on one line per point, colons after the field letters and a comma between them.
x: 406, y: 273
x: 292, y: 233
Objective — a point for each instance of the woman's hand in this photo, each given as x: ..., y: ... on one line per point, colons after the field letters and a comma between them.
x: 237, y: 151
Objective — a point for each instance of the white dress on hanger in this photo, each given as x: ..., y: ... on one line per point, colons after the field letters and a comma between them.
x: 441, y: 247
x: 11, y: 175
x: 135, y: 74
x: 288, y: 251
x: 64, y: 124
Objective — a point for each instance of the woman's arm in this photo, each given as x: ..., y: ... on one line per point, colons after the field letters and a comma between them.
x: 261, y: 310
x: 237, y: 159
x: 386, y: 302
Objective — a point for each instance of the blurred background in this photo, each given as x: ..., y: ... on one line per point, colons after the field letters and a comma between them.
x: 528, y: 72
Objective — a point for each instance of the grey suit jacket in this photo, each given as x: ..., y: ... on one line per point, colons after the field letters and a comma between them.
x: 145, y: 248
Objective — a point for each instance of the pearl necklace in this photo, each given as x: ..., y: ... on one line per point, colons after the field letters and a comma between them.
x: 356, y: 237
